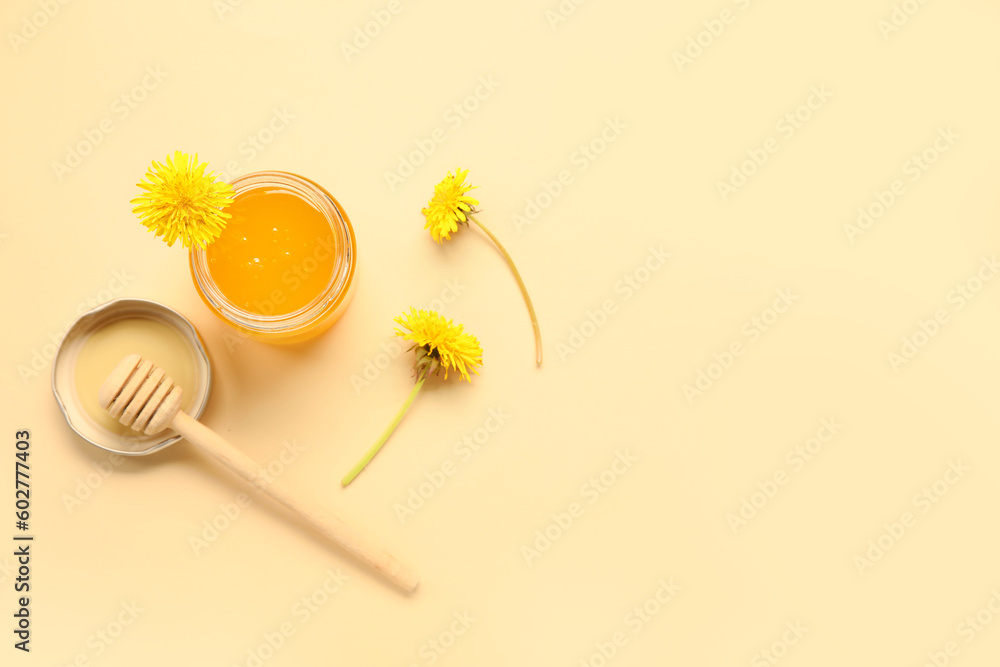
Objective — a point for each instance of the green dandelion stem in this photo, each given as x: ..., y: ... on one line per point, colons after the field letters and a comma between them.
x: 520, y: 283
x: 370, y: 454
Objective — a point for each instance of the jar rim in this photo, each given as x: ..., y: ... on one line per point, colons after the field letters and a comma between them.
x: 340, y: 278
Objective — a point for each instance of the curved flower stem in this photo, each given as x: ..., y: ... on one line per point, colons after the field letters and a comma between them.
x: 370, y: 454
x: 520, y: 283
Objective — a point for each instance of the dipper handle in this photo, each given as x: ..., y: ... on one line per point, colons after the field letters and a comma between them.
x: 141, y: 396
x: 323, y: 522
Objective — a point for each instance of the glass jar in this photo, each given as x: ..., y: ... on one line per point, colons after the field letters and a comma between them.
x: 282, y: 271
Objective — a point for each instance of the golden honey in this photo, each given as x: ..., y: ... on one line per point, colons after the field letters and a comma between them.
x: 283, y: 268
x: 105, y: 347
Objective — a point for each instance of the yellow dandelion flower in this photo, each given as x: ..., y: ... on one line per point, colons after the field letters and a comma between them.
x: 181, y: 201
x: 451, y: 207
x: 441, y: 341
x: 448, y: 207
x: 439, y: 344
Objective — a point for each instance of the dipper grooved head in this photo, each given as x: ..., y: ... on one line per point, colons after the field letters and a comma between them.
x: 140, y: 395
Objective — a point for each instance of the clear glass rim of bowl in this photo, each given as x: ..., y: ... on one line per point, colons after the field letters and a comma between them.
x: 340, y: 280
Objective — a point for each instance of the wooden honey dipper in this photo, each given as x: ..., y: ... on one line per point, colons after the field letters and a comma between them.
x: 141, y: 396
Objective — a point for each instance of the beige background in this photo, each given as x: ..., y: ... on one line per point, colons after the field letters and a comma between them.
x: 69, y: 239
